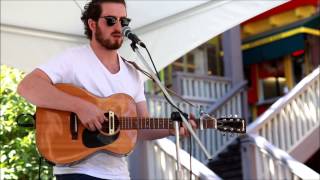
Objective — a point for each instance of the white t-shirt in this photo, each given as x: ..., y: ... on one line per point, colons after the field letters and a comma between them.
x: 81, y: 67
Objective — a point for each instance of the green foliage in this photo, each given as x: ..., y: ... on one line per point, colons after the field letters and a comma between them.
x: 19, y: 157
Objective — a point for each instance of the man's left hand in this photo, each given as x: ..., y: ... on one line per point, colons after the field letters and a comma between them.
x: 183, y: 131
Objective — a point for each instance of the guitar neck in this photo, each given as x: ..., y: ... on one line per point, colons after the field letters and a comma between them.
x: 129, y: 123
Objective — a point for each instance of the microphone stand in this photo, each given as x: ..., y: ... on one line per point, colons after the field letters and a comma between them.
x: 176, y: 124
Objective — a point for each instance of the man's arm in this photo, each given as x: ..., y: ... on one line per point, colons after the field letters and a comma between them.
x: 142, y: 111
x: 38, y: 89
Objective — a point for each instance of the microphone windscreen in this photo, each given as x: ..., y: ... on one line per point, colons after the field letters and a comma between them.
x: 126, y: 30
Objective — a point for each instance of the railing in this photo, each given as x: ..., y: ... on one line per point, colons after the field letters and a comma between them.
x: 165, y: 155
x: 233, y: 103
x: 213, y: 140
x: 285, y: 124
x: 159, y: 107
x: 198, y: 87
x: 262, y: 160
x: 292, y: 117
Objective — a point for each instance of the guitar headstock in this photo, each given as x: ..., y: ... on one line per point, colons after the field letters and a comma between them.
x: 231, y: 124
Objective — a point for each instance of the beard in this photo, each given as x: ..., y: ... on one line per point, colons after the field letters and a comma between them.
x: 107, y: 43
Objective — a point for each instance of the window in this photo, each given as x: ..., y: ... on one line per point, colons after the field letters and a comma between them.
x: 190, y: 63
x: 273, y: 87
x: 215, y: 62
x: 185, y: 63
x: 272, y: 81
x: 178, y: 65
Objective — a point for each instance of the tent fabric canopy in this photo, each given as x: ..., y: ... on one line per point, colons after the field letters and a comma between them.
x: 34, y: 31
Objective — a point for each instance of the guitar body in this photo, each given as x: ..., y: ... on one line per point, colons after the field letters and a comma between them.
x: 53, y: 129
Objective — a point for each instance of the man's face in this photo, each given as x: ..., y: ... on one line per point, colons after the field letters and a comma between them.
x: 110, y: 37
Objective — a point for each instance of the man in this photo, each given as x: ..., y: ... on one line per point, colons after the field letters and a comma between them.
x: 99, y: 69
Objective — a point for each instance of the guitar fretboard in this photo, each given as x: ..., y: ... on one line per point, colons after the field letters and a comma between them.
x: 155, y: 123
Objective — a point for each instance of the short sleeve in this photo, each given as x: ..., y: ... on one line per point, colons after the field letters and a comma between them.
x: 59, y: 69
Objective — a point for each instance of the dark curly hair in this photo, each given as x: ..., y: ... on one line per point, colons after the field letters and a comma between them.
x: 92, y: 10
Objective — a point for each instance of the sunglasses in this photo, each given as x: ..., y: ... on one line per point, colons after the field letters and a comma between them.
x: 112, y: 20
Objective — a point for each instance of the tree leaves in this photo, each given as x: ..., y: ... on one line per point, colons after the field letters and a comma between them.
x: 19, y: 157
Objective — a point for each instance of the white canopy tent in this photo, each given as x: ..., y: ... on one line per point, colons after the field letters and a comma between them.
x: 33, y: 31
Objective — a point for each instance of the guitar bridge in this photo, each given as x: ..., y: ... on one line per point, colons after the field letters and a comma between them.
x: 111, y: 123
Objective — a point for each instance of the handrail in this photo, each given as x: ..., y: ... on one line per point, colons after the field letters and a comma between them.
x: 283, y: 158
x: 159, y: 107
x: 198, y: 169
x: 198, y: 76
x: 213, y: 140
x: 200, y: 87
x: 283, y: 101
x: 282, y: 118
x: 219, y: 105
x: 227, y: 97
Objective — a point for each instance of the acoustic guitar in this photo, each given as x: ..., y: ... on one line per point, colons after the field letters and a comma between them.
x: 62, y: 139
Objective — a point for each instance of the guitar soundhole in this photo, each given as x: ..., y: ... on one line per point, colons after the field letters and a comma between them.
x: 106, y: 135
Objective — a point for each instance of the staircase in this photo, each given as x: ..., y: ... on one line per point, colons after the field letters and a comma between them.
x: 288, y: 130
x: 227, y: 164
x: 262, y: 160
x: 228, y: 101
x: 203, y: 91
x: 285, y: 127
x: 292, y: 119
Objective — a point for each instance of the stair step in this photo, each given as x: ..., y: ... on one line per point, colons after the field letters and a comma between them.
x: 230, y: 158
x: 235, y: 160
x: 228, y: 163
x: 234, y: 147
x: 227, y: 167
x: 228, y: 154
x: 234, y: 178
x: 231, y: 174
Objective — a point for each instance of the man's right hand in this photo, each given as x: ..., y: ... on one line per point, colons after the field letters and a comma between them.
x: 90, y: 116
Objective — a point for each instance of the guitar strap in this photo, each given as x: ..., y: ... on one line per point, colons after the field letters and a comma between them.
x: 150, y: 77
x: 138, y: 68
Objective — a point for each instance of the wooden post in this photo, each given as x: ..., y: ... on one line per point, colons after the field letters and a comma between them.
x: 288, y: 73
x: 248, y: 156
x: 233, y: 64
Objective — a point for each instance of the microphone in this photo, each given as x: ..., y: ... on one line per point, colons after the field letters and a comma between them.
x: 126, y: 31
